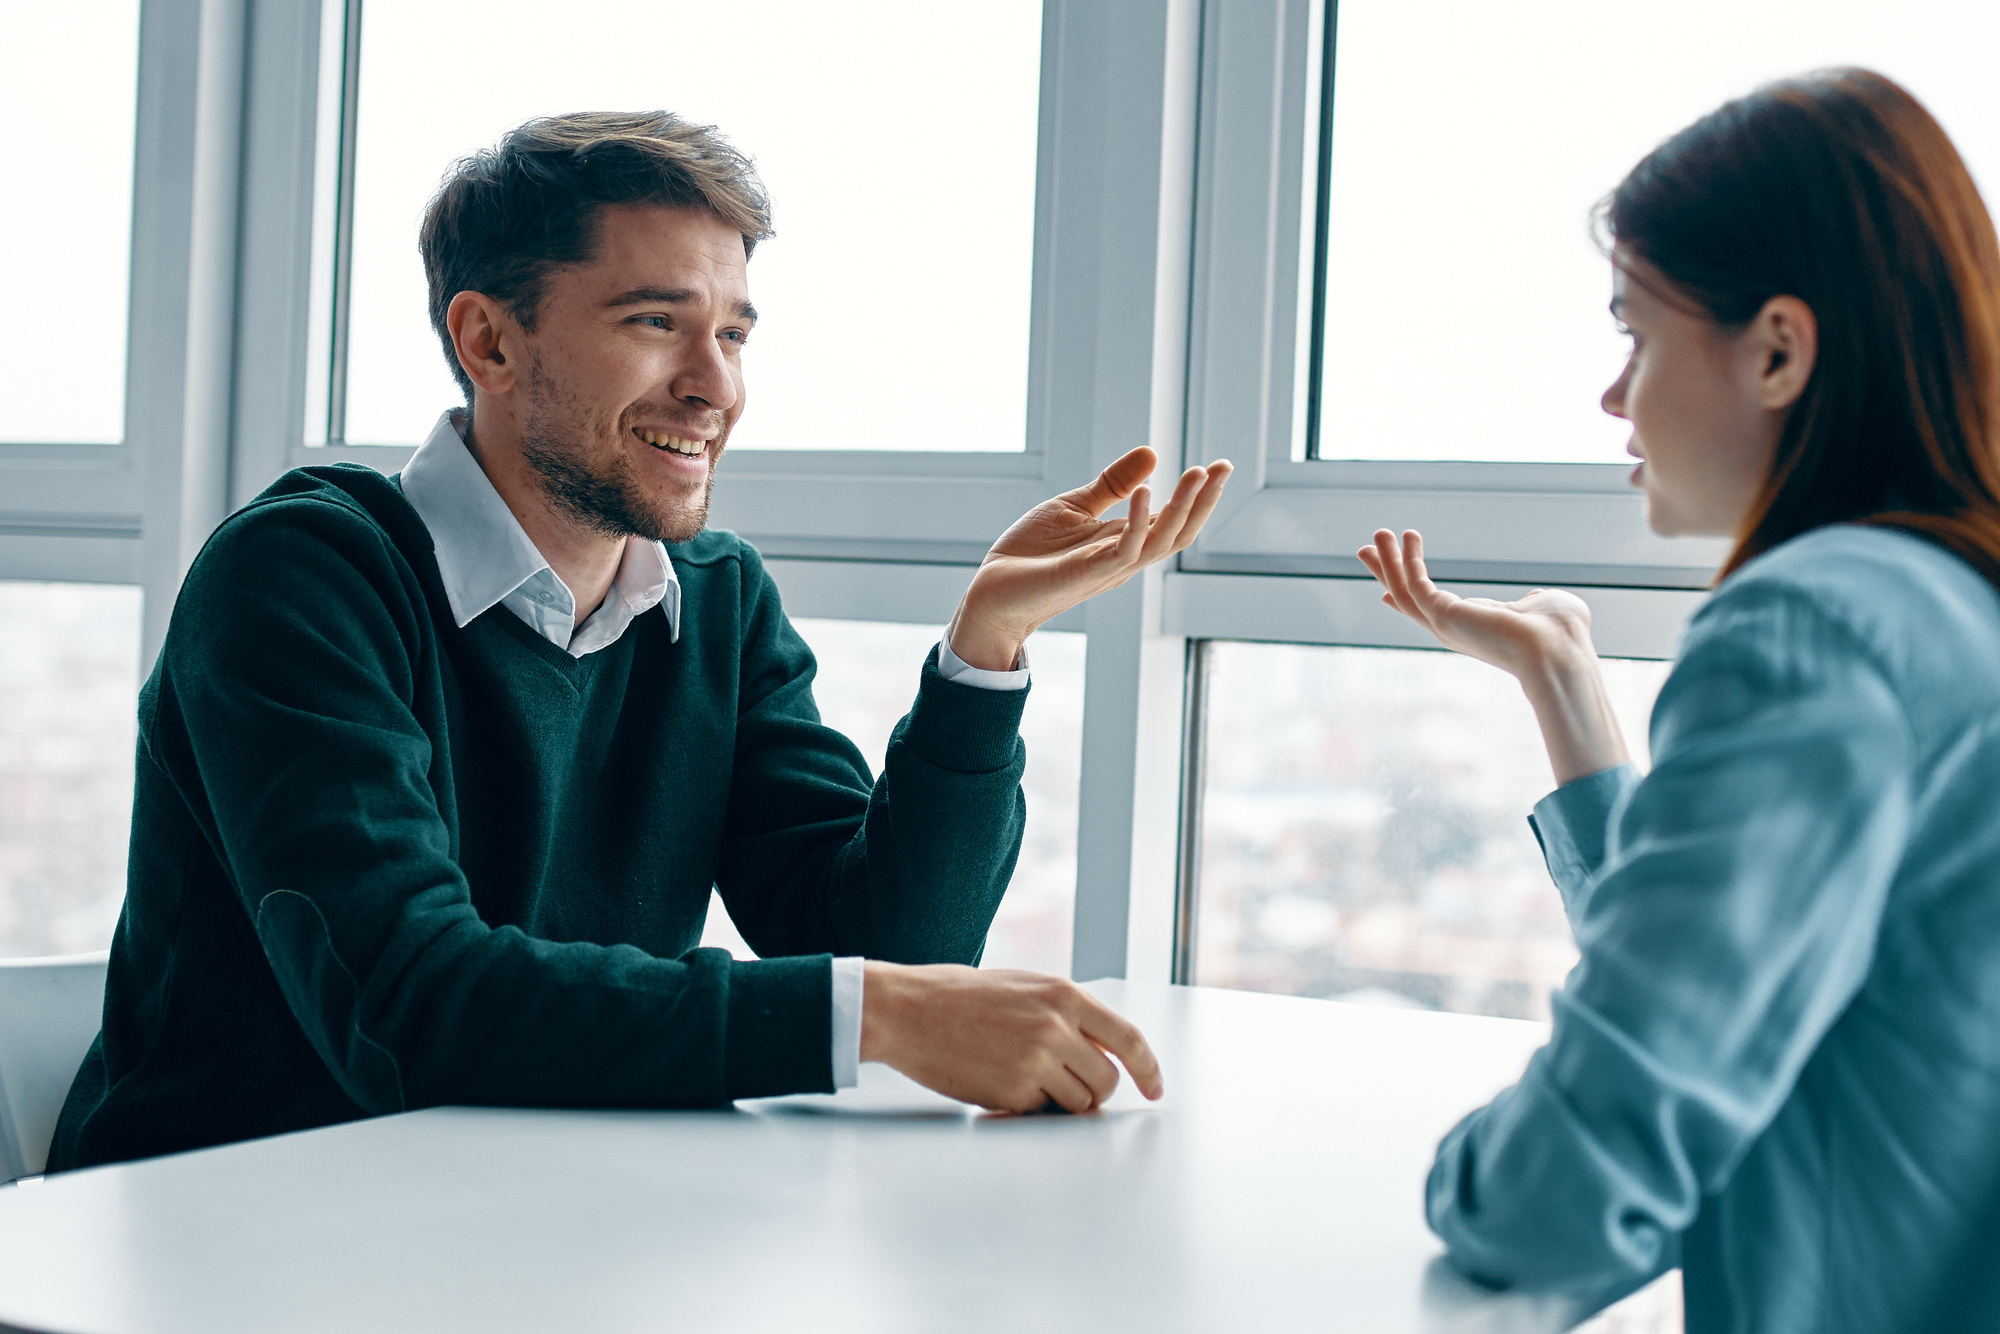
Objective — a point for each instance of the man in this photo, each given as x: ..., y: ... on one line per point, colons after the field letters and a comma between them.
x: 436, y: 773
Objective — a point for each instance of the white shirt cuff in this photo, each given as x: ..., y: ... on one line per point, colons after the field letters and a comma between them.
x: 847, y: 978
x: 953, y: 668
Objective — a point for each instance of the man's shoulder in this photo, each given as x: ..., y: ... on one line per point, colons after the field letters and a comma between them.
x: 712, y: 547
x: 341, y: 529
x: 340, y: 504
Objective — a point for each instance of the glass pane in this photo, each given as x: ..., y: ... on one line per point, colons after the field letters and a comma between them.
x: 1365, y: 833
x: 1465, y: 301
x: 867, y: 678
x: 69, y: 78
x: 69, y: 685
x: 897, y: 139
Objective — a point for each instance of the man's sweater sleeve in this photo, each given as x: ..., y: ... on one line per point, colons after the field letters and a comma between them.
x: 288, y: 718
x: 909, y: 867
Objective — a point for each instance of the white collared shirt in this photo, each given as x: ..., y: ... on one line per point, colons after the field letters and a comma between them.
x: 486, y: 559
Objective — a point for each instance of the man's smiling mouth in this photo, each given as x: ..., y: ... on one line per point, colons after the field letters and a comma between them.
x: 677, y: 444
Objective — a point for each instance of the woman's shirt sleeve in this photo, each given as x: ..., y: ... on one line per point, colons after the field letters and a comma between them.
x: 1726, y: 909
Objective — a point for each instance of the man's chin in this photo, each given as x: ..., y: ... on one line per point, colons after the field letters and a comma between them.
x: 684, y: 522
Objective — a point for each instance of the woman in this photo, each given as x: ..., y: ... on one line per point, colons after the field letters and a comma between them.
x: 1777, y: 1064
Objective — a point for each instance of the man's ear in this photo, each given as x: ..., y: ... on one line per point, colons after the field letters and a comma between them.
x: 1784, y: 338
x: 486, y: 338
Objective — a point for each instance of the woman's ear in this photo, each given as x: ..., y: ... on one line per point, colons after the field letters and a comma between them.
x: 482, y: 333
x: 1784, y: 339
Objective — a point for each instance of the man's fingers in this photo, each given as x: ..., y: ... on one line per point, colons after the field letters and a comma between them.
x: 1133, y: 539
x: 1122, y: 1038
x: 1173, y: 517
x: 1070, y: 1093
x: 1205, y: 501
x: 1115, y: 483
x: 1088, y: 1063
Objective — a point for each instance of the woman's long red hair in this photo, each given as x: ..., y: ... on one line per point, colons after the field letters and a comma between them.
x: 1840, y: 189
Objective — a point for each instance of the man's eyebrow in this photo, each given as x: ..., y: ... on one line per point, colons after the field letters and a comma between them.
x: 669, y: 296
x: 646, y: 296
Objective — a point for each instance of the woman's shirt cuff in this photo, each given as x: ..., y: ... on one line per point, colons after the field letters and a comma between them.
x: 1573, y: 825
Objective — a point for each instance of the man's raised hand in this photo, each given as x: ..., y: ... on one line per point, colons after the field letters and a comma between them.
x: 1065, y: 551
x: 1009, y: 1041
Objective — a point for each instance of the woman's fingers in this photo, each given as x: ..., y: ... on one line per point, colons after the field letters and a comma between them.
x: 1398, y: 565
x: 1425, y: 593
x: 1390, y: 571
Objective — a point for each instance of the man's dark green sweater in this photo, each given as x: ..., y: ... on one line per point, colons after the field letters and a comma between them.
x: 380, y: 862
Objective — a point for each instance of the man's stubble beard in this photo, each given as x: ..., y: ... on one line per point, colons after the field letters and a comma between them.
x: 556, y: 444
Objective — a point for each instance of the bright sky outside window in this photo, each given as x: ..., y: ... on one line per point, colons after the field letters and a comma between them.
x: 69, y: 76
x: 1465, y: 302
x: 1364, y: 827
x: 897, y: 138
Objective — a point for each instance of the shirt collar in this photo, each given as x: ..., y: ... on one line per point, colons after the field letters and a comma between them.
x: 484, y: 555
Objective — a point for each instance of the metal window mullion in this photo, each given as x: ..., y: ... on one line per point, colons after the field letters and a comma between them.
x: 1187, y: 878
x: 343, y: 224
x: 1322, y: 210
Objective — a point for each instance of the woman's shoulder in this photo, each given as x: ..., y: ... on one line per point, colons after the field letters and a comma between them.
x: 1895, y: 597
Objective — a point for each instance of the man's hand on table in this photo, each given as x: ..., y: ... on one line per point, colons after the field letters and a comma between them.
x: 1009, y: 1041
x: 1063, y: 551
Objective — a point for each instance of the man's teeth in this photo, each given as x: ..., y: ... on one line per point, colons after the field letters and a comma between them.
x: 661, y: 440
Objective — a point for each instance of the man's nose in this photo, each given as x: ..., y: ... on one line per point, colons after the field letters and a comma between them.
x: 704, y: 377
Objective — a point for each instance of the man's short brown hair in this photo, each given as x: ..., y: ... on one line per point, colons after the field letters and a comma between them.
x: 509, y: 216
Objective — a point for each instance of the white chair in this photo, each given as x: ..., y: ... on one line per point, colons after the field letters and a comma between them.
x: 49, y: 1012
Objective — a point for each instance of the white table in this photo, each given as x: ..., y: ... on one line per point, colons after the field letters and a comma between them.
x: 1277, y: 1186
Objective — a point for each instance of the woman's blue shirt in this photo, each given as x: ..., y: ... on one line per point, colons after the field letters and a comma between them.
x: 1777, y: 1063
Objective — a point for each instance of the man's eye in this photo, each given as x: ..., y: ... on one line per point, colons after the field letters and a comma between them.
x: 653, y: 321
x: 737, y: 336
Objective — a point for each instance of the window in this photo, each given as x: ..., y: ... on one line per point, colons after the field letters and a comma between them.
x: 1464, y: 304
x: 867, y: 679
x: 1363, y: 830
x: 67, y: 86
x: 69, y: 681
x: 895, y: 296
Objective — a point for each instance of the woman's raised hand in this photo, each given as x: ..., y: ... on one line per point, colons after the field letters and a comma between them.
x: 1542, y: 640
x: 1523, y: 638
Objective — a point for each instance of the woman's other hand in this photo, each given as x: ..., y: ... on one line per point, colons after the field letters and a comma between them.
x: 1542, y: 640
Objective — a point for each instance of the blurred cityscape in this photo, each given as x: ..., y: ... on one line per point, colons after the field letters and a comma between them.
x: 1365, y: 832
x: 69, y: 686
